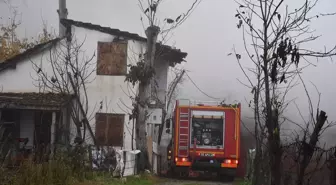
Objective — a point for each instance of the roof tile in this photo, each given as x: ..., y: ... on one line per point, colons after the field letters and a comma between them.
x: 33, y: 99
x: 175, y: 55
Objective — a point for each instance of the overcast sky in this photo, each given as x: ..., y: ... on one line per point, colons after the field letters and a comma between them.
x: 208, y: 36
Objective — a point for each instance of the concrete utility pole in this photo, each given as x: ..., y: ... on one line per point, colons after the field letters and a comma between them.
x: 62, y: 14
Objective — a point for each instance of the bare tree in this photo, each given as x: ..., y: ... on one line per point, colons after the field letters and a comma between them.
x: 69, y: 71
x: 11, y: 43
x: 276, y: 50
x: 304, y: 158
x: 169, y: 98
x: 143, y: 72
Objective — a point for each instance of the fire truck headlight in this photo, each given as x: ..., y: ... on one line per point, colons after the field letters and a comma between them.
x: 169, y: 151
x: 184, y: 159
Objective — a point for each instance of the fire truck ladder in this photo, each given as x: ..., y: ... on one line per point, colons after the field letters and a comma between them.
x: 183, y: 138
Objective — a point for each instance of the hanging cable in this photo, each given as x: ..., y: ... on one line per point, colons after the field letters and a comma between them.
x: 200, y: 89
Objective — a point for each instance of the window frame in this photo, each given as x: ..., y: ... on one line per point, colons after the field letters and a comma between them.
x: 115, y: 44
x: 108, y: 119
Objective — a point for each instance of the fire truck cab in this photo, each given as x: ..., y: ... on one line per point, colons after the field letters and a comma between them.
x: 205, y: 138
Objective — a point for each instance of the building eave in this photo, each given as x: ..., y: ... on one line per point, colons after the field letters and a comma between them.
x: 11, y: 62
x: 34, y: 100
x: 172, y: 55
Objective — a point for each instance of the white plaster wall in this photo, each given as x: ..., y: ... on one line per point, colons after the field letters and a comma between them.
x: 161, y: 78
x: 113, y: 91
x: 24, y: 77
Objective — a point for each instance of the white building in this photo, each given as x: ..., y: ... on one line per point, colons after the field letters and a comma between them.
x: 29, y: 107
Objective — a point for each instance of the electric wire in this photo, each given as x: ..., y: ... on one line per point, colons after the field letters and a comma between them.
x: 200, y: 88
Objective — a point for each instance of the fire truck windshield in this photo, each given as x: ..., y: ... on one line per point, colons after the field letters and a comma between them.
x: 208, y: 133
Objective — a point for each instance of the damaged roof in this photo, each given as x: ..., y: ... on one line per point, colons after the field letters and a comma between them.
x: 32, y: 99
x: 11, y: 62
x: 167, y: 52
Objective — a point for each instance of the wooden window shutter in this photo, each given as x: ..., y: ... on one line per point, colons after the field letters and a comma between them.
x: 100, y: 129
x: 116, y: 129
x: 109, y: 129
x: 112, y: 58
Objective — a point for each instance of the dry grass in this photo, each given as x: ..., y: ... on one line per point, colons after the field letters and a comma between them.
x: 134, y: 180
x: 58, y: 173
x: 66, y: 168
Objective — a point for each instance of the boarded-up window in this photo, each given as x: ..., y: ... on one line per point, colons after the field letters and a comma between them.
x: 112, y: 58
x: 109, y: 129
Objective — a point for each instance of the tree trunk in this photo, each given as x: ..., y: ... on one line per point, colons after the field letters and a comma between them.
x: 141, y: 135
x: 275, y: 149
x: 308, y: 148
x: 145, y: 94
x: 271, y: 119
x: 257, y: 163
x: 256, y: 173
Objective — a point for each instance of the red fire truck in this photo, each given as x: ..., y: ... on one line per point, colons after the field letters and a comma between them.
x: 205, y: 138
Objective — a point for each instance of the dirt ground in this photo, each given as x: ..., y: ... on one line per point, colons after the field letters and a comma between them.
x: 194, y: 182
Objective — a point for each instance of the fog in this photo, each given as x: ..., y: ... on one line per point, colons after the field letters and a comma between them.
x: 208, y: 36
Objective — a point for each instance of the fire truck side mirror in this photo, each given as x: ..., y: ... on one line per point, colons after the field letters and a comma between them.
x: 168, y: 131
x: 168, y: 123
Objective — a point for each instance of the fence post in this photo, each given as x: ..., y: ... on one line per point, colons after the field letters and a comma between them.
x: 125, y: 161
x: 90, y: 156
x: 160, y: 164
x: 137, y: 163
x: 333, y: 172
x: 153, y: 161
